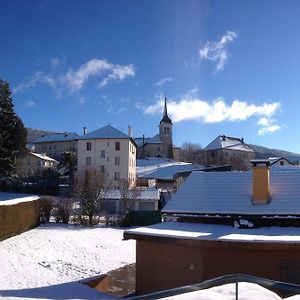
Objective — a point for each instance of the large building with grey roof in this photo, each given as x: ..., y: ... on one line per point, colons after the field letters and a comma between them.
x: 56, y: 144
x: 226, y: 150
x: 109, y: 151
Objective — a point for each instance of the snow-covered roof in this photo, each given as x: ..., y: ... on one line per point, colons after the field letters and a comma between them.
x: 106, y: 132
x: 163, y: 168
x: 274, y: 160
x: 226, y: 142
x: 141, y: 194
x: 57, y: 137
x: 200, y: 231
x: 231, y: 193
x: 43, y: 157
x: 15, y: 198
x: 153, y: 140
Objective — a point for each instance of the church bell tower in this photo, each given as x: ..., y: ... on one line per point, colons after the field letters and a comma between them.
x: 165, y: 133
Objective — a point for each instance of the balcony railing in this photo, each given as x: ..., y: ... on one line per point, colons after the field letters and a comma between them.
x: 285, y: 288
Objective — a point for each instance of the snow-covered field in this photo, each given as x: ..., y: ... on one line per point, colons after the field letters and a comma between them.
x: 54, y: 253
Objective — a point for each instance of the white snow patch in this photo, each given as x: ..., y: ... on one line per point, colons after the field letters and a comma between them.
x: 55, y: 254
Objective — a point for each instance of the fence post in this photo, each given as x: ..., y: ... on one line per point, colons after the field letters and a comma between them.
x: 237, y: 291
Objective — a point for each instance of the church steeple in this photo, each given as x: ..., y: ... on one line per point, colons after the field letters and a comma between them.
x: 165, y: 118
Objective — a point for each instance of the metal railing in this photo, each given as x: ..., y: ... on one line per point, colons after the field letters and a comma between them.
x: 235, y: 278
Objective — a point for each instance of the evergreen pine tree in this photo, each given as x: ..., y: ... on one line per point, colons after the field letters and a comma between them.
x: 13, y: 134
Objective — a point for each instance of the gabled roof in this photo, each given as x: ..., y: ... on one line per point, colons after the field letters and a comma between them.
x: 274, y: 160
x: 227, y: 142
x: 57, y: 137
x: 231, y: 193
x: 106, y: 132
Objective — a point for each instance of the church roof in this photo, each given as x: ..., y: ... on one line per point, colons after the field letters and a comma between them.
x: 165, y: 118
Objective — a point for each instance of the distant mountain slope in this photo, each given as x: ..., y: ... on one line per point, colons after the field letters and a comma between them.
x: 35, y: 134
x: 264, y: 152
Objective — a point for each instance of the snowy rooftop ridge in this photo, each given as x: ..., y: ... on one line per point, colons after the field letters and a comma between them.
x: 217, y: 232
x: 106, y: 132
x: 15, y: 198
x: 227, y: 142
x: 141, y: 194
x: 44, y: 157
x: 231, y: 193
x: 162, y: 168
x: 57, y: 137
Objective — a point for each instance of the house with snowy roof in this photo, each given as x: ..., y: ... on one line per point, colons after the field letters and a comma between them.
x: 110, y: 151
x: 54, y: 145
x: 32, y: 163
x: 224, y: 150
x: 280, y: 161
x: 223, y: 223
x: 160, y: 145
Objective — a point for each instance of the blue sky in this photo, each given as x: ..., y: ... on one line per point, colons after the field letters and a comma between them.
x: 227, y: 67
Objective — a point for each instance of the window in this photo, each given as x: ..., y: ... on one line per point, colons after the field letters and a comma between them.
x: 117, y: 175
x: 102, y: 169
x: 103, y: 153
x: 88, y: 146
x: 107, y: 144
x: 117, y: 160
x: 117, y: 145
x: 88, y: 161
x: 165, y: 129
x: 168, y: 130
x: 282, y: 163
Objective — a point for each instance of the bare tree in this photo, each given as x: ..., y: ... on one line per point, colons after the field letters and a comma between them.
x: 128, y: 196
x: 189, y: 152
x: 89, y: 193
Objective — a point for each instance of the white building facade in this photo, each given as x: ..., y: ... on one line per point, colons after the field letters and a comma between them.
x: 111, y: 152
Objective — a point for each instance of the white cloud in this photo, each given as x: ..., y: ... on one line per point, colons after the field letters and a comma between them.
x: 30, y: 103
x: 190, y: 107
x: 216, y: 51
x: 74, y: 80
x: 268, y: 126
x: 163, y: 81
x: 55, y: 62
x: 29, y: 83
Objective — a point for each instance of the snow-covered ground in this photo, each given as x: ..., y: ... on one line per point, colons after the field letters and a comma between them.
x: 54, y: 254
